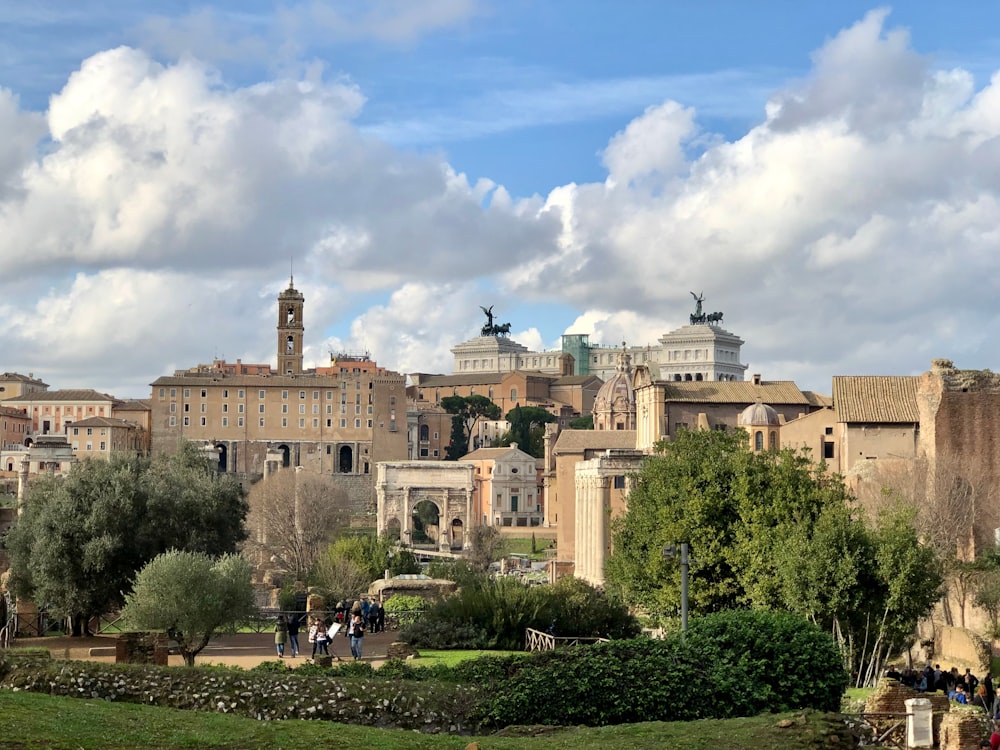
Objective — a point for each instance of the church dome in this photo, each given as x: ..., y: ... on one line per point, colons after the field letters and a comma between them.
x: 758, y: 414
x: 614, y: 405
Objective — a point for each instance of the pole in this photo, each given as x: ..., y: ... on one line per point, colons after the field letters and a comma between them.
x: 684, y: 586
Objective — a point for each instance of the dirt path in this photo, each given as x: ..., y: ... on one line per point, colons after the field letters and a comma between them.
x: 244, y: 650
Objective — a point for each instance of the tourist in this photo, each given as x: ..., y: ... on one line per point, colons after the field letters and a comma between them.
x: 373, y: 611
x: 313, y: 633
x: 980, y: 699
x: 356, y: 631
x: 293, y: 633
x: 958, y: 695
x: 280, y: 635
x: 322, y: 639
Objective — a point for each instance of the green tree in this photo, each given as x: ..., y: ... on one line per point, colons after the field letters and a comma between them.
x: 585, y: 422
x: 986, y: 589
x: 352, y: 562
x: 190, y: 596
x: 467, y: 410
x: 83, y: 537
x: 527, y: 429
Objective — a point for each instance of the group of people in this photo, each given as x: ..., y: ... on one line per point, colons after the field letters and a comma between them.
x: 362, y: 616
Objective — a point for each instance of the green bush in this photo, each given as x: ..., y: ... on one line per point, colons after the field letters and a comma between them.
x: 738, y: 663
x: 779, y: 661
x: 405, y: 608
x: 495, y: 613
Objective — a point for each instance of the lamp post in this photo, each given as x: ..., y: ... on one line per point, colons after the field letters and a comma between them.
x: 670, y: 552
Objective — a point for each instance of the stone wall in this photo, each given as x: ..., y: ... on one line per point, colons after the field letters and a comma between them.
x: 141, y: 648
x: 962, y: 645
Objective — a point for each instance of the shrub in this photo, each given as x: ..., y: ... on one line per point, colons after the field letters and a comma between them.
x: 442, y: 634
x: 405, y: 608
x: 779, y: 661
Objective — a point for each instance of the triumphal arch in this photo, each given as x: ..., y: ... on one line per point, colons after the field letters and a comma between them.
x: 405, y: 488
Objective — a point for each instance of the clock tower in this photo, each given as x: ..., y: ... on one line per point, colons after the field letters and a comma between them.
x: 290, y: 330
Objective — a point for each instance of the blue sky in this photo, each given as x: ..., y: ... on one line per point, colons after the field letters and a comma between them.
x: 581, y: 165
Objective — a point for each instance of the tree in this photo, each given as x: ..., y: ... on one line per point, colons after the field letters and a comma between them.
x: 190, y: 596
x: 467, y: 410
x: 527, y: 429
x: 350, y: 564
x: 83, y: 537
x: 585, y: 422
x: 486, y: 546
x: 293, y: 518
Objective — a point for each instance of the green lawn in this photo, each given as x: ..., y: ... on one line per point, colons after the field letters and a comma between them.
x: 522, y: 546
x: 429, y: 657
x: 29, y: 720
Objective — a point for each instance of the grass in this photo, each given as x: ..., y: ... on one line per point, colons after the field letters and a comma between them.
x: 30, y: 720
x: 430, y: 657
x: 858, y: 694
x: 522, y: 546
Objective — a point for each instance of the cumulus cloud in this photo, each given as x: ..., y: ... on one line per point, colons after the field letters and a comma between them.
x: 853, y: 229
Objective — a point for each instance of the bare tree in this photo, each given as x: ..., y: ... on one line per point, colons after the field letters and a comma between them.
x: 486, y: 546
x: 293, y: 517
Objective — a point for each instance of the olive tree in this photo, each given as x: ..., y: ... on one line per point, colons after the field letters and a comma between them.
x: 190, y: 596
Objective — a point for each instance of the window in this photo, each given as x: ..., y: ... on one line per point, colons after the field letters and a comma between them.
x: 329, y: 408
x: 423, y: 452
x: 302, y: 394
x: 203, y: 408
x: 163, y: 392
x: 187, y: 393
x: 239, y: 408
x: 203, y: 422
x: 435, y: 436
x: 242, y: 393
x: 302, y: 423
x: 315, y: 423
x: 828, y: 450
x: 619, y: 482
x: 225, y: 408
x: 225, y: 393
x: 173, y: 393
x: 284, y: 395
x: 260, y: 408
x: 225, y: 421
x: 261, y: 421
x: 357, y: 423
x: 173, y: 408
x: 435, y: 453
x: 284, y: 408
x: 90, y: 430
x: 513, y: 394
x: 829, y: 430
x: 239, y: 422
x: 329, y: 395
x: 302, y: 408
x: 104, y: 446
x: 315, y: 395
x: 187, y: 421
x: 425, y: 432
x: 343, y: 408
x: 343, y: 423
x: 187, y: 407
x: 204, y: 393
x: 261, y: 393
x: 369, y: 424
x: 284, y: 422
x: 315, y: 408
x: 90, y: 446
x: 758, y: 441
x: 329, y: 423
x: 173, y: 421
x: 76, y: 430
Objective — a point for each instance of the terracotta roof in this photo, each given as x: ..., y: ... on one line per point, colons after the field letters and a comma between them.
x: 890, y: 399
x: 71, y: 394
x: 8, y: 377
x: 578, y: 380
x: 577, y: 441
x: 818, y: 399
x: 303, y: 381
x: 773, y: 392
x: 134, y: 404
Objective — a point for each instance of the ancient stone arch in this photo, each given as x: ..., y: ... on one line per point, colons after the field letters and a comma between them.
x: 401, y: 486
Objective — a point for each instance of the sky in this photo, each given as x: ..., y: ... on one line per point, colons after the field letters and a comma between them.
x: 827, y: 175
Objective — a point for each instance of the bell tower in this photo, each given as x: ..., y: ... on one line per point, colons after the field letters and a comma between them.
x: 290, y: 330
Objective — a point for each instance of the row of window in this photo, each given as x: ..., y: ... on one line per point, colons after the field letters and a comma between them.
x: 262, y: 393
x: 284, y: 422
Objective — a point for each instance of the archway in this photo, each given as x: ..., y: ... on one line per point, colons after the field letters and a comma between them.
x: 223, y: 456
x: 345, y: 464
x: 457, y: 534
x: 425, y: 524
x: 393, y: 529
x: 286, y: 456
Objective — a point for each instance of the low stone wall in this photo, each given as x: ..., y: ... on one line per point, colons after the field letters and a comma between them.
x: 142, y: 648
x: 400, y: 650
x: 961, y: 731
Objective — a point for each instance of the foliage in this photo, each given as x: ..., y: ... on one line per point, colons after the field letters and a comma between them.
x: 585, y: 422
x: 190, y: 596
x: 986, y: 589
x: 486, y: 546
x: 467, y: 410
x: 729, y: 664
x: 83, y: 537
x: 351, y: 563
x: 527, y: 429
x: 405, y: 609
x: 494, y: 613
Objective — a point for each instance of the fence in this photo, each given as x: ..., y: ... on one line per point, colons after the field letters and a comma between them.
x: 536, y: 640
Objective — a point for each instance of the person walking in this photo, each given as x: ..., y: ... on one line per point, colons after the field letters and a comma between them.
x: 313, y: 631
x: 293, y: 633
x: 356, y: 631
x: 280, y: 635
x: 322, y: 638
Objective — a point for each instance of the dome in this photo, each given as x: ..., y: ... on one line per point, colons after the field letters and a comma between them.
x: 758, y: 414
x: 614, y: 405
